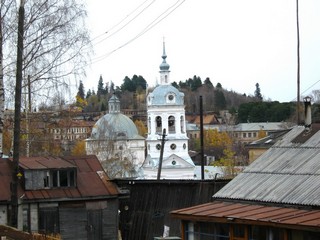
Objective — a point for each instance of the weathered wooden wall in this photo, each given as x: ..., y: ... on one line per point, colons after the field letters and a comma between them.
x: 146, y: 210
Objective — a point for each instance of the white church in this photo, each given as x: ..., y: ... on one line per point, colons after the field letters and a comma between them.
x: 166, y: 110
x: 116, y: 142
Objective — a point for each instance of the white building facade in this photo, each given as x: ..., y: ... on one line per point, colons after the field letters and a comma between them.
x: 116, y: 143
x: 165, y: 110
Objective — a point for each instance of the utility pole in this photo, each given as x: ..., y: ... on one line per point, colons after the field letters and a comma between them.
x: 17, y: 118
x: 201, y: 139
x: 1, y: 88
x: 161, y: 153
x: 298, y: 63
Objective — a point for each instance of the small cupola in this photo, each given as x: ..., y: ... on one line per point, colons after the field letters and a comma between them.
x: 114, y: 104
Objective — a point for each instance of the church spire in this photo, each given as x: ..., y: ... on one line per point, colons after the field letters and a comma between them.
x: 164, y: 68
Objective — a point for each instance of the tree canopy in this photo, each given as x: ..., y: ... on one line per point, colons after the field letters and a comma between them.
x: 55, y: 36
x: 265, y: 111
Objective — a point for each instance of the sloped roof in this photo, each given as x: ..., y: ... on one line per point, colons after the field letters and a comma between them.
x: 92, y: 181
x: 287, y: 173
x: 269, y: 140
x: 208, y: 119
x: 266, y: 126
x: 249, y: 213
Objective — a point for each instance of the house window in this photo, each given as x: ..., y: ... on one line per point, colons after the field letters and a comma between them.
x: 244, y: 135
x: 63, y: 178
x: 249, y: 135
x: 204, y: 230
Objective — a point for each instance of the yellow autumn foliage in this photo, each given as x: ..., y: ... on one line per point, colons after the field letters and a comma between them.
x: 79, y: 149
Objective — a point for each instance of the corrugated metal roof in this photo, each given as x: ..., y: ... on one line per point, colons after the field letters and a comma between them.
x: 43, y: 163
x: 92, y: 181
x: 288, y: 173
x: 247, y: 214
x: 266, y: 126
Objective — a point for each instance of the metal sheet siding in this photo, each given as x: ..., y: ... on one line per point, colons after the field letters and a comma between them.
x: 288, y: 173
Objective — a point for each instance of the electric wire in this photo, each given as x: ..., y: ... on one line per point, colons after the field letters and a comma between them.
x: 118, y: 30
x: 151, y: 25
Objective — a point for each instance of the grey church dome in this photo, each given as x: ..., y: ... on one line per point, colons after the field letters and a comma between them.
x: 115, y: 125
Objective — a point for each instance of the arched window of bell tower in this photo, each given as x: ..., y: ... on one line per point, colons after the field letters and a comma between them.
x: 158, y: 124
x: 182, y: 124
x: 171, y: 124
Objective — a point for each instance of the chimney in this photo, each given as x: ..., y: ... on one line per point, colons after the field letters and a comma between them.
x: 307, y: 112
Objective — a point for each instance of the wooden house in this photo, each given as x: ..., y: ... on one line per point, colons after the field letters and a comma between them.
x: 276, y: 197
x: 70, y: 196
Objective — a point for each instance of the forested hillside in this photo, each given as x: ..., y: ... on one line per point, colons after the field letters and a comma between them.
x: 132, y: 94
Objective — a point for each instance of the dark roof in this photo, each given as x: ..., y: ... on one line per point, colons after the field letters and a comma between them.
x: 251, y: 214
x: 269, y: 140
x: 92, y: 181
x: 287, y: 173
x: 35, y: 163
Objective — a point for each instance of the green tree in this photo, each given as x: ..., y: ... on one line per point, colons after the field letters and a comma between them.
x: 228, y: 164
x: 265, y: 112
x: 81, y: 90
x: 100, y: 90
x: 139, y: 82
x: 257, y: 92
x: 89, y: 93
x: 127, y: 85
x: 208, y: 83
x: 175, y: 84
x: 219, y: 99
x: 195, y: 83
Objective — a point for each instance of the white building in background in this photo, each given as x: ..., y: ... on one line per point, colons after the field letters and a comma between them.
x: 116, y: 143
x: 165, y: 110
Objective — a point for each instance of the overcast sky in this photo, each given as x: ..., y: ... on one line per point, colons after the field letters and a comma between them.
x: 237, y: 43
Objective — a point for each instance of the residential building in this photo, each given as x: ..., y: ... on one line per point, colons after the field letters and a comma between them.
x: 258, y: 147
x: 249, y: 132
x: 70, y: 196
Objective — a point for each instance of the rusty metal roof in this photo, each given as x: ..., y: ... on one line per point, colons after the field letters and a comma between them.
x: 288, y: 173
x: 218, y: 211
x: 92, y: 181
x: 35, y: 163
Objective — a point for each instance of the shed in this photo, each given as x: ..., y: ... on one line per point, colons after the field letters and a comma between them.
x: 70, y: 196
x: 276, y: 197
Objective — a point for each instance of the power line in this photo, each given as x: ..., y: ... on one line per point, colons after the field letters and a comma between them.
x: 118, y: 30
x: 157, y: 20
x: 307, y: 89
